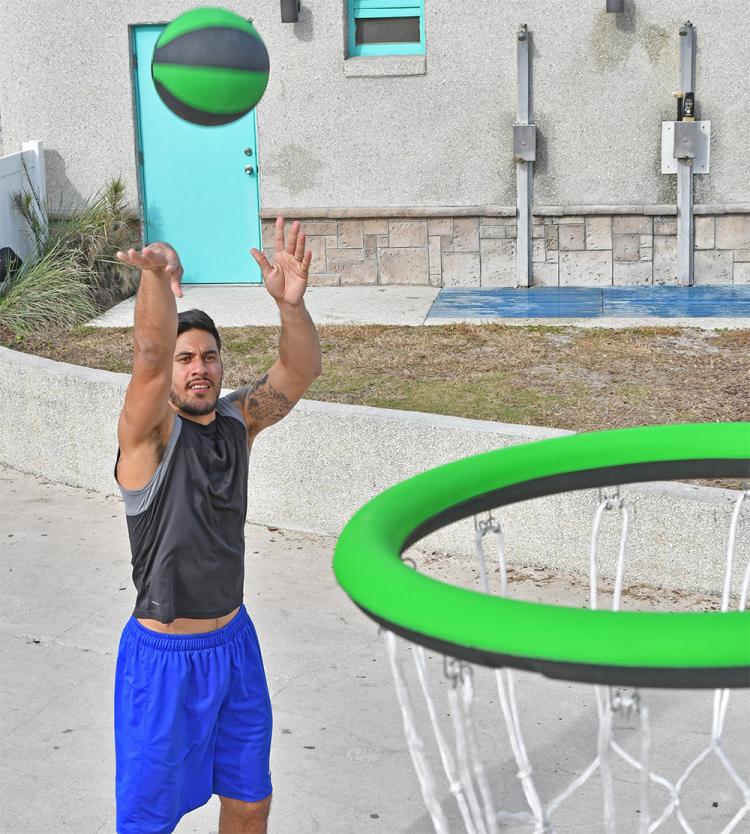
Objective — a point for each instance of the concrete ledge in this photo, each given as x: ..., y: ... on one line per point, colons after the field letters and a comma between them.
x: 665, y: 209
x: 366, y: 212
x: 333, y: 213
x: 382, y: 66
x: 315, y: 468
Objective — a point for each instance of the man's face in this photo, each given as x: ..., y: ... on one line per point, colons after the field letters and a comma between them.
x: 197, y: 372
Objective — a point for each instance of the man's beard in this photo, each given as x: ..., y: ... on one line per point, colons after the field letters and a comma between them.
x: 198, y: 409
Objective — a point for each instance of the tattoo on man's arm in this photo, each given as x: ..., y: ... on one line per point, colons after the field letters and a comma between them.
x: 262, y: 403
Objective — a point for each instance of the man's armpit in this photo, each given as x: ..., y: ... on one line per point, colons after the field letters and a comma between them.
x: 261, y: 403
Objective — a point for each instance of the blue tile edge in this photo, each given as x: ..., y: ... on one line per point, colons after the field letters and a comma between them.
x: 591, y: 302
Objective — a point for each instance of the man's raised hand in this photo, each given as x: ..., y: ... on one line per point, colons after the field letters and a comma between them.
x: 286, y: 280
x: 157, y: 257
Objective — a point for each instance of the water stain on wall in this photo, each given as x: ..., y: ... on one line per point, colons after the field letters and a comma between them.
x: 613, y: 38
x: 659, y: 43
x: 294, y: 168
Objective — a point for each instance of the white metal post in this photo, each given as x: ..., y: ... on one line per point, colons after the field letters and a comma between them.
x: 34, y: 152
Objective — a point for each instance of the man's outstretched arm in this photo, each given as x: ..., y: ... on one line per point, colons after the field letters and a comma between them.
x: 145, y: 420
x: 274, y: 394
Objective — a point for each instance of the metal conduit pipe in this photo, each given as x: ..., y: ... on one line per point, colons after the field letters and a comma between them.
x: 524, y: 153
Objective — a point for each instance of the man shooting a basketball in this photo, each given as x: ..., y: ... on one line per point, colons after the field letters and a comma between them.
x: 192, y: 710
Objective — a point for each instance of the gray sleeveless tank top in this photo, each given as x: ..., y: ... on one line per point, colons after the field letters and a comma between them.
x: 187, y: 525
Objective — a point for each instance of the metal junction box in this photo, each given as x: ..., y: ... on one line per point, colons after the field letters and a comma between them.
x: 524, y: 143
x: 685, y: 140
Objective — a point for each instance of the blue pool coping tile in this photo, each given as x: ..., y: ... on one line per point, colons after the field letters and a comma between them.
x: 720, y: 301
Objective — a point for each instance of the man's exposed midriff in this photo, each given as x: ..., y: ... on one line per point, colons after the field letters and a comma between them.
x: 188, y: 625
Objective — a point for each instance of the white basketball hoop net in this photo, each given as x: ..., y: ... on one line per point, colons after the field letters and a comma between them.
x: 459, y: 748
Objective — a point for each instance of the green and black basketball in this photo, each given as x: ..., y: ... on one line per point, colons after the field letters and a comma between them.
x: 210, y: 66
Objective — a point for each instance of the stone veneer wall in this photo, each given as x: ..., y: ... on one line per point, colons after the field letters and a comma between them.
x: 480, y: 251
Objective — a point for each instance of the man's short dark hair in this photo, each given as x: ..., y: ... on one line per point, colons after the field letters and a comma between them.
x: 197, y: 320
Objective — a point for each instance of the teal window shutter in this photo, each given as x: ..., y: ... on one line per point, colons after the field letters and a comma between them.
x: 386, y: 27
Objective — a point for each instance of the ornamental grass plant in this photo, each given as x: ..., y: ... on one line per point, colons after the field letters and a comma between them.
x: 71, y: 274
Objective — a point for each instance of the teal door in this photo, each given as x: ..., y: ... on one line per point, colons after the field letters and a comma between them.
x: 199, y: 185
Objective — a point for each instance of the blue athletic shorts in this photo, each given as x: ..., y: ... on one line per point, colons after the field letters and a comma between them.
x: 192, y: 719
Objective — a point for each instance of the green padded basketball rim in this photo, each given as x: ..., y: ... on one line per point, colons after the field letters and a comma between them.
x: 664, y: 649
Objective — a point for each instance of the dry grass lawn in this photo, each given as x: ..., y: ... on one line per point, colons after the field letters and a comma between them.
x: 562, y: 377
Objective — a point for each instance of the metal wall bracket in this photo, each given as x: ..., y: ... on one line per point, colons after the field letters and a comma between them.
x: 686, y: 138
x: 524, y: 143
x: 290, y: 10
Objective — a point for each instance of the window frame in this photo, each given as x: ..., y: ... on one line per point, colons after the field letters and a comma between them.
x: 384, y: 9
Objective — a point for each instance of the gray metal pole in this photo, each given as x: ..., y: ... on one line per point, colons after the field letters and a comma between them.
x: 524, y: 168
x: 685, y: 225
x: 687, y: 57
x: 685, y: 236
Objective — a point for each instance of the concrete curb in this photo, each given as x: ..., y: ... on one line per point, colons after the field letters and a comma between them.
x: 392, y: 305
x: 250, y: 305
x: 316, y: 467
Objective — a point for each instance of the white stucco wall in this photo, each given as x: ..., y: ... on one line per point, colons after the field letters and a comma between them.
x: 602, y: 85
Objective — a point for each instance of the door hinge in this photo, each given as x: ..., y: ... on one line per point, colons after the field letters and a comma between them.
x: 140, y: 157
x: 135, y: 62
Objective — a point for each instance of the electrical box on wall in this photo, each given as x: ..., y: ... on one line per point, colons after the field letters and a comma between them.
x: 524, y: 143
x: 693, y: 142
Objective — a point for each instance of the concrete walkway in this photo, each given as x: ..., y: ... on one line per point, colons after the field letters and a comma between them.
x: 339, y: 763
x: 237, y: 306
x: 339, y: 759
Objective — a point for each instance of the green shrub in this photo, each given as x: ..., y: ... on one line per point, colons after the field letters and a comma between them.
x: 72, y: 274
x: 48, y: 292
